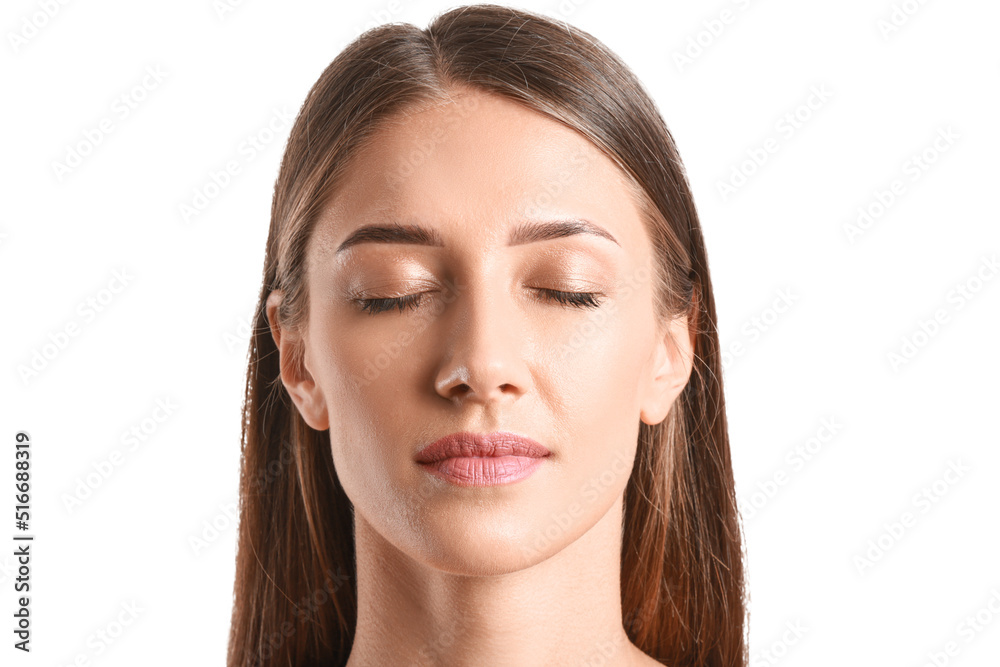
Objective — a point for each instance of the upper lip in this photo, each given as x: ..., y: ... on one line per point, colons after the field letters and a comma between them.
x: 468, y: 444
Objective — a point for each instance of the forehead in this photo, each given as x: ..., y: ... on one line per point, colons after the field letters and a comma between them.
x: 479, y: 164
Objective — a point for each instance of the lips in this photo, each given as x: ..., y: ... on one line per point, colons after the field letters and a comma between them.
x: 468, y: 444
x: 482, y: 459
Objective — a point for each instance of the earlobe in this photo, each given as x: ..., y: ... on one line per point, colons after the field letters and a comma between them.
x: 296, y: 378
x: 670, y: 372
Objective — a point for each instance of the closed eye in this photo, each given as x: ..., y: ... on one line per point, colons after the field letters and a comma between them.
x: 578, y: 299
x: 376, y: 306
x: 574, y: 299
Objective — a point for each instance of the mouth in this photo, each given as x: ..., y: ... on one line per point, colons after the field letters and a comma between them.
x: 482, y: 459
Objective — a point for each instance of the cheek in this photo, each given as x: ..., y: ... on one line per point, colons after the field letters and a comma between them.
x: 354, y: 373
x: 599, y: 366
x: 601, y: 379
x: 360, y: 368
x: 597, y: 383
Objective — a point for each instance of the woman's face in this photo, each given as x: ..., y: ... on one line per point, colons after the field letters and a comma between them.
x: 485, y: 348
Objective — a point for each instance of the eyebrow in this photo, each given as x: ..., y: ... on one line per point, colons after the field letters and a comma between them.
x: 521, y: 234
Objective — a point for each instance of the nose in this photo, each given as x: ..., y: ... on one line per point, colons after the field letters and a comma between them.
x: 485, y: 349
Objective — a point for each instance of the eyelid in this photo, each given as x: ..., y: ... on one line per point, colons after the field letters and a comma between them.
x: 371, y: 290
x: 574, y: 285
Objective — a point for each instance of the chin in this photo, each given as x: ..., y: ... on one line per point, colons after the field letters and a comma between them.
x: 467, y: 542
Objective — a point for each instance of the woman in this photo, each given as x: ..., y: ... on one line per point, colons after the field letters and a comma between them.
x: 484, y: 420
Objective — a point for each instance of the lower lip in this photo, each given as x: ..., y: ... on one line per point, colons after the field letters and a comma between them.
x: 484, y: 470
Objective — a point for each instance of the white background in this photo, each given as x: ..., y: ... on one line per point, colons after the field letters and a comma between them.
x: 177, y: 331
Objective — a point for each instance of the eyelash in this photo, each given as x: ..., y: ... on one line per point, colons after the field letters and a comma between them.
x: 572, y: 299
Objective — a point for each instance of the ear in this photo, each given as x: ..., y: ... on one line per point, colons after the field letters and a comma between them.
x: 299, y: 383
x: 670, y: 371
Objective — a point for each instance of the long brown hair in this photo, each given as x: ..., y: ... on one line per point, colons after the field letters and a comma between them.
x: 683, y: 594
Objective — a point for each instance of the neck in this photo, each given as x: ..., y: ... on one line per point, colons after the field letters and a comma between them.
x: 563, y: 610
